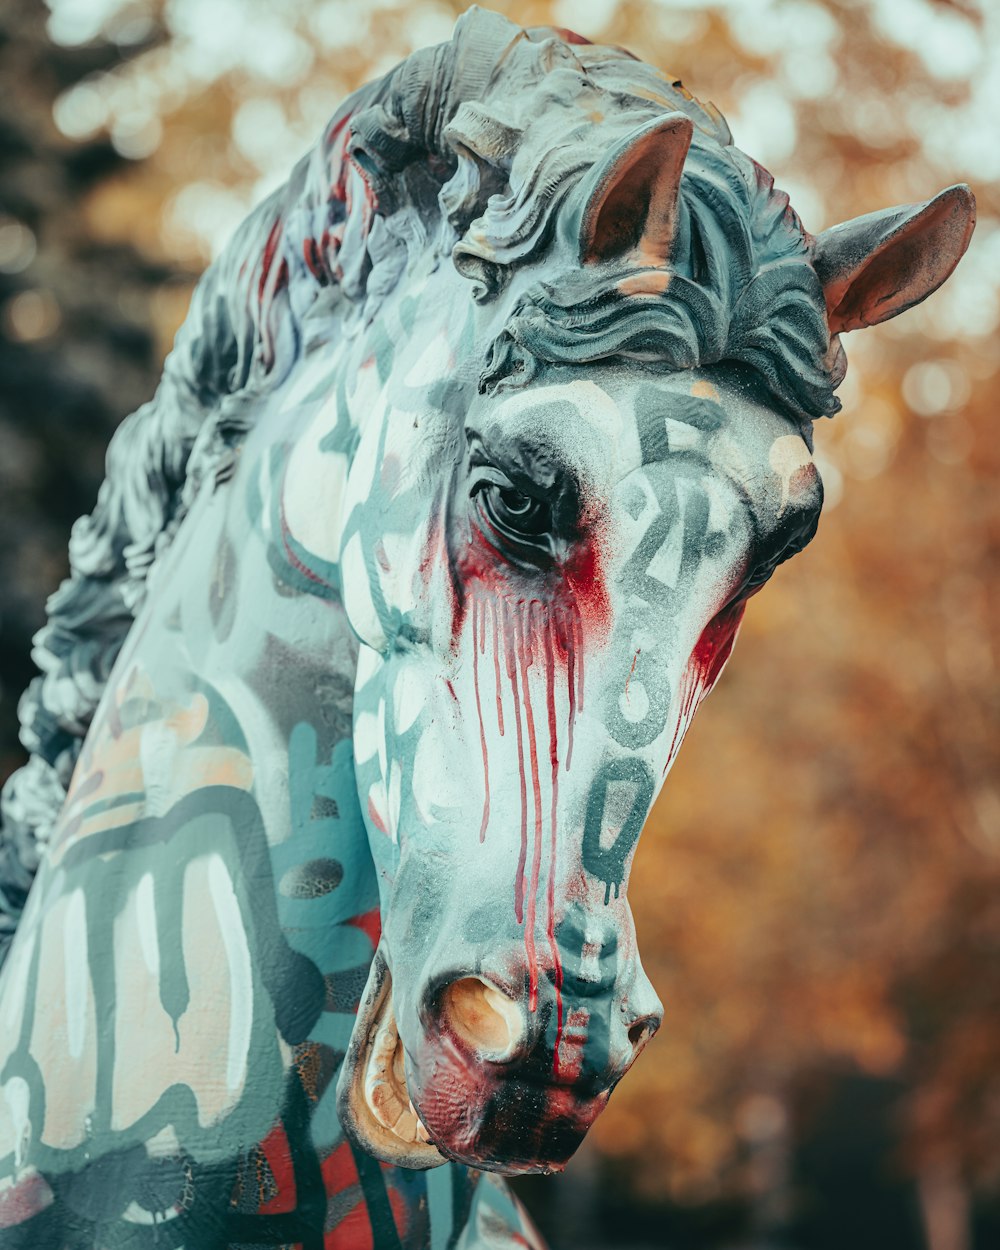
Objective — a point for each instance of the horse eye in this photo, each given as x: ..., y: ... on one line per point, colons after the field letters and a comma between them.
x: 517, y: 514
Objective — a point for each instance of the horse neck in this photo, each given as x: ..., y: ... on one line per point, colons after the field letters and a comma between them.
x: 240, y: 669
x: 235, y: 675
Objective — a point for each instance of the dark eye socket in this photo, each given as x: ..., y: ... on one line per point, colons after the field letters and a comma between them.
x: 515, y: 514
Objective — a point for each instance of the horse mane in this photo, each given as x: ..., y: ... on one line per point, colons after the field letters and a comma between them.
x: 741, y: 290
x: 489, y: 135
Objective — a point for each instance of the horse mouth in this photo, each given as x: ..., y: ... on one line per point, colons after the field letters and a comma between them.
x: 494, y: 1122
x: 373, y: 1102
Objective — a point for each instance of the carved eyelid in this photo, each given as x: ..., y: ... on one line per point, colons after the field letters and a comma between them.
x: 489, y: 475
x: 487, y: 470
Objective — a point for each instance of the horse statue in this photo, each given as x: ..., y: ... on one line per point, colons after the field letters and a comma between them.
x: 395, y: 605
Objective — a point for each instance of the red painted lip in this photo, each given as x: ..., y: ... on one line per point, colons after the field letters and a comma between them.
x: 503, y: 1123
x: 466, y: 1065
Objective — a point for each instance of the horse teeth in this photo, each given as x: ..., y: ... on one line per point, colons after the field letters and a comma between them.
x: 385, y: 1102
x: 385, y: 1040
x: 406, y: 1126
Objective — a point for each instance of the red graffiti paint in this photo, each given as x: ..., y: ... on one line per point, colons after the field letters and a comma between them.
x: 496, y: 668
x: 340, y: 1174
x: 28, y: 1195
x: 478, y: 642
x: 631, y: 672
x: 277, y: 1152
x: 525, y: 655
x: 270, y: 251
x: 354, y: 1232
x: 573, y: 1045
x: 370, y: 924
x: 344, y: 176
x: 271, y: 281
x: 544, y: 630
x: 376, y: 817
x: 571, y: 587
x: 542, y: 637
x: 705, y: 666
x: 510, y: 656
x: 586, y: 590
x: 320, y: 255
x: 716, y: 643
x: 571, y: 680
x: 339, y: 1170
x: 428, y: 558
x: 314, y: 255
x: 337, y: 139
x: 550, y: 704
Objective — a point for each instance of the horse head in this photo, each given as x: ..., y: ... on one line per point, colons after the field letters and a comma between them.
x: 583, y: 443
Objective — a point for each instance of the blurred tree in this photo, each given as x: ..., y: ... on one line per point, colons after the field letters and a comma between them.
x: 77, y: 350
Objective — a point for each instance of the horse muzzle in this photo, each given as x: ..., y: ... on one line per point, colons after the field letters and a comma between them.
x: 480, y: 1073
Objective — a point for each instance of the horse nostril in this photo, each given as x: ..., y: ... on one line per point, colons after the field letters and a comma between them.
x: 640, y: 1033
x: 483, y: 1017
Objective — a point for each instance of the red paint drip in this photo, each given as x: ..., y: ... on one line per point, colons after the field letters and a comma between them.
x: 526, y: 657
x: 478, y: 630
x: 578, y: 641
x: 270, y: 251
x: 705, y: 666
x: 496, y: 667
x: 570, y: 639
x: 716, y: 643
x: 635, y: 661
x: 510, y: 656
x: 550, y: 702
x: 533, y: 634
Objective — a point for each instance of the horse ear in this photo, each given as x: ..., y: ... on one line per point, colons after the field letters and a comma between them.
x: 877, y: 266
x: 631, y: 199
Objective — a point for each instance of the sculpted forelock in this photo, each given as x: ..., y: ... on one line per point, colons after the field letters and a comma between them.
x: 397, y: 602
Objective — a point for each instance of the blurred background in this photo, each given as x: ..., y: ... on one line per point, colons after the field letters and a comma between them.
x: 816, y: 893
